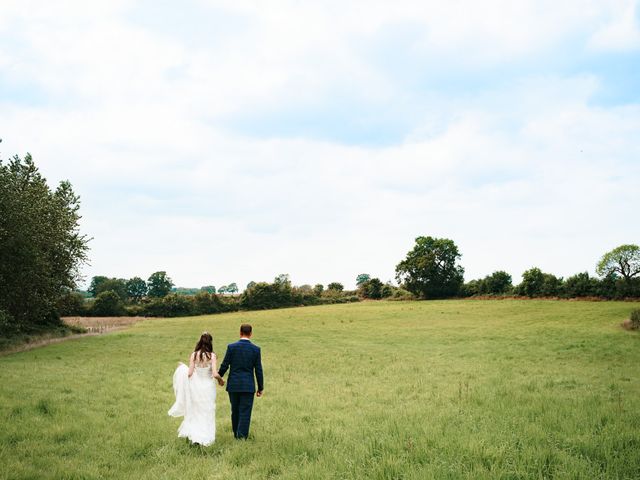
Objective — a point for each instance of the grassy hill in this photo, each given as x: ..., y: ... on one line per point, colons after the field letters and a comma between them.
x: 376, y: 390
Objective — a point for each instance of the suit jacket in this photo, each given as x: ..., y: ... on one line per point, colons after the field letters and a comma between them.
x: 244, y: 359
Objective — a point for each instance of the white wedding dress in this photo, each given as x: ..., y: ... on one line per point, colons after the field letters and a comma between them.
x: 196, y: 402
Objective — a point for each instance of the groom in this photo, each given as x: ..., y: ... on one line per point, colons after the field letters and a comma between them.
x: 244, y: 358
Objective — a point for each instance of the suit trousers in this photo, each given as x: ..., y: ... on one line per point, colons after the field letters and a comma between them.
x: 241, y: 405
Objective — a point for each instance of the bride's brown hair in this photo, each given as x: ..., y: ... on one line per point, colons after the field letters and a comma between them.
x: 204, y: 345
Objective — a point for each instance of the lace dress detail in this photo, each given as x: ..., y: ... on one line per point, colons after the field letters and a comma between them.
x: 196, y: 402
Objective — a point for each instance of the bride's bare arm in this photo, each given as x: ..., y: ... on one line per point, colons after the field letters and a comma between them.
x: 192, y: 363
x: 214, y: 370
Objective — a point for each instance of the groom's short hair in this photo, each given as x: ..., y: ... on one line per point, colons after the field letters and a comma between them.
x: 245, y: 329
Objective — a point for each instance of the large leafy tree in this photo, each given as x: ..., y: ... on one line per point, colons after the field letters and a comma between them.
x: 430, y: 269
x: 136, y: 288
x: 41, y: 247
x: 159, y: 284
x: 623, y: 261
x: 96, y: 282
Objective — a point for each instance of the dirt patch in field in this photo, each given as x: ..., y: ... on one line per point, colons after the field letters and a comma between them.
x: 102, y: 324
x: 92, y: 325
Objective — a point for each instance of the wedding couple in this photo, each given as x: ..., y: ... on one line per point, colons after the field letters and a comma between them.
x: 195, y: 389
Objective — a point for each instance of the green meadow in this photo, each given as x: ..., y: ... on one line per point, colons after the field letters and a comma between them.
x: 377, y: 390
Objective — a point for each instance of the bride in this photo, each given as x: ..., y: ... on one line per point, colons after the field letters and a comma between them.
x: 196, y: 393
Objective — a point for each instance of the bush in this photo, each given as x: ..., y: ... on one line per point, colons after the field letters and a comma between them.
x: 175, y: 305
x: 536, y: 283
x: 206, y: 303
x: 635, y: 319
x: 72, y: 304
x: 107, y: 304
x: 8, y: 325
x: 581, y: 285
x: 371, y: 288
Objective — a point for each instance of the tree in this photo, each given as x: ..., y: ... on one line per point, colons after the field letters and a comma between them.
x: 136, y: 288
x: 159, y: 284
x: 581, y: 285
x: 335, y: 286
x: 41, y: 248
x: 222, y: 289
x: 117, y: 285
x: 107, y: 304
x: 430, y: 269
x: 318, y: 289
x: 623, y: 260
x: 497, y: 283
x: 95, y: 285
x: 363, y: 277
x: 372, y: 288
x: 208, y: 289
x: 232, y: 288
x: 536, y: 283
x: 250, y: 284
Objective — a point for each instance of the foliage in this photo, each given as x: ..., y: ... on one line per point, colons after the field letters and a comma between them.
x: 623, y: 260
x: 117, y: 285
x: 265, y: 295
x: 41, y: 248
x: 136, y: 288
x: 96, y: 282
x: 206, y: 303
x: 318, y: 289
x: 498, y: 283
x: 107, y: 304
x: 363, y: 277
x: 338, y: 287
x: 536, y: 283
x: 635, y: 319
x: 581, y: 285
x: 159, y: 284
x: 72, y: 304
x: 232, y: 288
x: 430, y: 269
x: 372, y: 288
x: 208, y: 289
x: 174, y: 305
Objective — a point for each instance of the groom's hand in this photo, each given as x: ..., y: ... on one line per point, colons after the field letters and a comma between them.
x: 259, y: 393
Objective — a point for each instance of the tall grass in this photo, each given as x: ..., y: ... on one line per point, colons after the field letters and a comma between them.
x: 386, y: 390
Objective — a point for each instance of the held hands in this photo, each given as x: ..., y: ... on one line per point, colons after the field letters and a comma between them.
x: 259, y: 393
x: 220, y: 380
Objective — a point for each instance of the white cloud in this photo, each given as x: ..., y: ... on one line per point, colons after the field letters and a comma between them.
x: 621, y: 32
x: 525, y: 172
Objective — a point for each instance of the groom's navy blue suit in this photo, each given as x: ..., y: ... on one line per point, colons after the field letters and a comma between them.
x: 244, y: 359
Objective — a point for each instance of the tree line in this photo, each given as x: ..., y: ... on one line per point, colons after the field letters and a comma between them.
x: 432, y: 270
x: 157, y: 297
x: 42, y: 250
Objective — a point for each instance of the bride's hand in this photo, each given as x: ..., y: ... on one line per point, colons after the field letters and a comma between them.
x: 221, y: 381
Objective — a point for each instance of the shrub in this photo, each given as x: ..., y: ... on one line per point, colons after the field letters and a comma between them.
x: 536, y: 283
x: 72, y: 304
x: 635, y: 319
x: 581, y: 285
x: 107, y: 304
x: 8, y: 326
x: 205, y: 303
x: 371, y: 288
x: 175, y: 305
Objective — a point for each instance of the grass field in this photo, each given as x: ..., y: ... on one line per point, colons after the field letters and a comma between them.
x: 386, y: 390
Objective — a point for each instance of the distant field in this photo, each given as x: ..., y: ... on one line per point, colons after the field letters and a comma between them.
x: 377, y: 390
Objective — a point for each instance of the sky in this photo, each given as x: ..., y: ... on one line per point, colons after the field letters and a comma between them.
x: 232, y: 141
